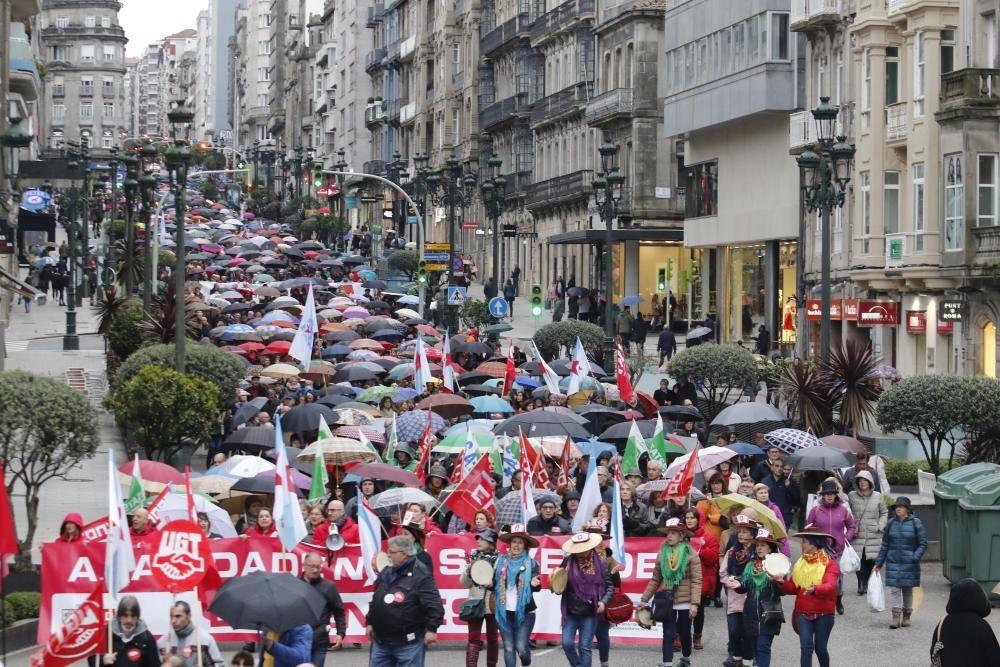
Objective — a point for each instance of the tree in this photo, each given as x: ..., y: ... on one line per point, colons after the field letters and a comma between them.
x: 124, y: 333
x: 808, y: 395
x: 559, y: 338
x: 209, y: 189
x: 160, y: 324
x: 404, y: 263
x: 218, y: 367
x: 717, y: 370
x: 170, y: 411
x: 850, y: 372
x: 46, y: 430
x: 937, y: 410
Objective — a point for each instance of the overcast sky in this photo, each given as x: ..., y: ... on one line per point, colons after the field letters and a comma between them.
x: 147, y: 21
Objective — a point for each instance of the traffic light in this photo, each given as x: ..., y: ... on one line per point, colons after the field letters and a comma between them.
x: 421, y: 272
x: 317, y: 175
x: 536, y: 300
x: 661, y: 280
x: 241, y: 165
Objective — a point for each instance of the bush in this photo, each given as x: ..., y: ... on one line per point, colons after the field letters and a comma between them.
x: 900, y: 471
x: 24, y: 605
x: 717, y: 371
x: 125, y: 333
x: 476, y: 313
x: 404, y: 262
x: 554, y: 337
x: 218, y: 367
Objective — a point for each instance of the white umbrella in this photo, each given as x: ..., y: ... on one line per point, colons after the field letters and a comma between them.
x: 174, y: 506
x: 708, y: 457
x: 408, y: 313
x: 242, y: 465
x: 390, y: 502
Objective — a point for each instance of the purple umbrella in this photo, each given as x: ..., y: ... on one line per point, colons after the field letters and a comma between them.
x: 301, y: 481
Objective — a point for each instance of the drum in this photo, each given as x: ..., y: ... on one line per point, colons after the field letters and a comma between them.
x: 777, y: 565
x: 644, y: 617
x: 558, y: 580
x: 619, y: 609
x: 381, y: 561
x: 481, y: 572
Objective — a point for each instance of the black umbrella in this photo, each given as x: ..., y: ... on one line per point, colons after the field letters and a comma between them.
x: 276, y: 601
x: 414, y: 321
x: 481, y: 389
x: 250, y: 438
x: 310, y: 245
x: 473, y: 377
x: 306, y: 418
x: 539, y: 423
x: 562, y: 366
x: 249, y: 410
x: 475, y: 347
x: 681, y: 412
x: 237, y: 307
x: 293, y: 252
x: 376, y: 284
x: 333, y: 400
x: 355, y: 260
x: 600, y: 417
x: 620, y: 431
x: 341, y: 336
x: 354, y: 373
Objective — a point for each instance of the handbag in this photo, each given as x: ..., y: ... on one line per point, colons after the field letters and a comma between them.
x: 663, y: 606
x: 472, y: 610
x: 772, y: 613
x: 937, y: 647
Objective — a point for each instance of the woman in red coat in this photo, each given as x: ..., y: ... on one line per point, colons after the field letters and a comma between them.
x: 707, y: 548
x: 264, y: 527
x: 814, y: 584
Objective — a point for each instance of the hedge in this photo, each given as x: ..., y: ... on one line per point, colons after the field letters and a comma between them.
x: 900, y: 471
x: 20, y: 606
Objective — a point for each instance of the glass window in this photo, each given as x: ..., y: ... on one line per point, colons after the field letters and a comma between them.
x: 947, y: 51
x: 90, y: 21
x: 986, y: 191
x: 85, y: 138
x: 109, y: 109
x: 87, y: 111
x: 109, y: 53
x: 918, y: 74
x: 891, y: 74
x: 702, y: 189
x: 954, y: 203
x: 62, y: 21
x: 866, y: 87
x: 87, y: 53
x: 105, y: 21
x: 891, y: 196
x: 918, y: 207
x: 58, y: 113
x: 753, y: 39
x: 866, y: 209
x: 779, y: 36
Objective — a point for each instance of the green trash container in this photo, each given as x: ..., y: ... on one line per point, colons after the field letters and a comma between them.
x: 981, y: 515
x: 951, y: 487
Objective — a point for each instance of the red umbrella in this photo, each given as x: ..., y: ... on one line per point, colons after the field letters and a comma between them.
x: 283, y: 324
x: 433, y: 353
x: 446, y: 405
x: 373, y: 433
x: 495, y: 369
x: 844, y: 442
x: 647, y: 403
x: 251, y: 346
x: 153, y: 471
x: 429, y: 330
x: 236, y: 262
x: 310, y: 254
x: 278, y: 347
x: 632, y: 414
x: 384, y: 472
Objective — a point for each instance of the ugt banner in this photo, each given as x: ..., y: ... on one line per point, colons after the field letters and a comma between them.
x: 71, y: 571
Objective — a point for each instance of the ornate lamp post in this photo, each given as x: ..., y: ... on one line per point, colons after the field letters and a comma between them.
x: 826, y: 170
x: 607, y: 195
x: 299, y: 156
x: 494, y: 188
x: 131, y: 188
x: 341, y: 165
x: 147, y: 188
x: 71, y: 341
x: 178, y: 160
x: 453, y: 187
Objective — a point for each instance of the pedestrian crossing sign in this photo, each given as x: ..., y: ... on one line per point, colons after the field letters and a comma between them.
x: 456, y: 296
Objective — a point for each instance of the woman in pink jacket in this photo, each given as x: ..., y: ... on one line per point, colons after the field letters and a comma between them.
x: 831, y: 516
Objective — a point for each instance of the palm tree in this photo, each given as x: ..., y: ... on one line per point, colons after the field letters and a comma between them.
x: 160, y: 323
x: 851, y: 375
x: 809, y: 397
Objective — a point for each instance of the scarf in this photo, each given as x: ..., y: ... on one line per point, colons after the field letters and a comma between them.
x: 512, y: 572
x: 587, y: 578
x: 739, y: 557
x: 809, y: 570
x: 673, y: 563
x: 389, y: 575
x: 755, y: 579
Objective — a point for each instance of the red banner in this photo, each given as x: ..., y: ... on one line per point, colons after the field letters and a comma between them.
x: 80, y: 636
x: 71, y: 571
x: 878, y: 313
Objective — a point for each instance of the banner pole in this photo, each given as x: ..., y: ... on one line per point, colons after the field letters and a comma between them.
x: 197, y: 630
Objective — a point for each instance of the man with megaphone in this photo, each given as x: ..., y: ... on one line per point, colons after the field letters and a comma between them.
x: 338, y: 529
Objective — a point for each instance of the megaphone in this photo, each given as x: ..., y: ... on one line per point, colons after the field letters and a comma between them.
x: 335, y: 542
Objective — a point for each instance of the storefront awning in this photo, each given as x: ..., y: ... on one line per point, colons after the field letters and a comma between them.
x: 597, y: 236
x: 13, y: 283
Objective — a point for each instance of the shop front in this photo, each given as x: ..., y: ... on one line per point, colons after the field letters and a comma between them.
x: 760, y: 284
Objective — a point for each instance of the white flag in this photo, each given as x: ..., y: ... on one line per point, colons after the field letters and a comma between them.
x: 422, y: 371
x: 287, y: 515
x: 549, y: 375
x: 302, y: 344
x: 119, y: 559
x: 579, y: 369
x: 589, y: 499
x: 369, y: 535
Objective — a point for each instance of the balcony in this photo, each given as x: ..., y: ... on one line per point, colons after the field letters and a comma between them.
x: 802, y: 127
x: 504, y: 110
x: 59, y: 90
x: 814, y: 15
x: 458, y: 80
x: 375, y: 14
x: 987, y: 244
x: 894, y: 8
x: 24, y: 78
x: 374, y: 58
x: 518, y: 184
x: 564, y: 17
x: 609, y: 106
x: 25, y: 9
x: 561, y: 189
x: 376, y: 167
x: 374, y: 115
x: 494, y: 40
x: 969, y: 93
x: 86, y: 91
x: 407, y: 112
x: 75, y: 31
x: 564, y: 103
x: 407, y: 47
x: 896, y: 121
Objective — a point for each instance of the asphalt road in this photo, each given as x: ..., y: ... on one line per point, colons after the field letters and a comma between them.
x: 859, y: 638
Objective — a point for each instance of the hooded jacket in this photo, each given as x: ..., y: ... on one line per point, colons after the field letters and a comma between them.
x: 870, y: 513
x: 135, y: 650
x: 77, y: 520
x: 834, y: 520
x: 967, y: 637
x: 903, y: 546
x: 183, y: 642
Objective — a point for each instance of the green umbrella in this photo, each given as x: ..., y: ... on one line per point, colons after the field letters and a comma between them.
x: 401, y: 371
x: 498, y: 328
x: 455, y: 443
x: 376, y: 394
x: 264, y: 278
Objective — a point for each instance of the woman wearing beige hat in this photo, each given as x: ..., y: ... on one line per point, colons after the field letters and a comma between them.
x: 515, y: 581
x: 588, y: 591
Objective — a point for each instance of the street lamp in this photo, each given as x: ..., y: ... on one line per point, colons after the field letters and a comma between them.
x: 494, y: 188
x: 131, y: 188
x: 607, y: 195
x: 108, y: 255
x: 341, y: 166
x: 71, y: 341
x: 298, y: 171
x: 453, y: 187
x: 826, y: 171
x: 147, y: 186
x: 178, y: 159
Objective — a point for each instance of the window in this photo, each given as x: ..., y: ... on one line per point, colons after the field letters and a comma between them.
x: 919, y: 68
x: 58, y: 113
x: 954, y: 203
x: 62, y: 21
x: 109, y: 110
x: 105, y: 21
x: 891, y: 74
x: 90, y: 21
x: 87, y: 53
x: 866, y: 211
x: 866, y: 88
x: 57, y: 139
x: 918, y: 207
x: 261, y: 100
x: 85, y: 138
x: 264, y: 47
x: 779, y: 36
x: 947, y: 51
x: 986, y: 191
x: 890, y: 189
x: 86, y: 86
x: 107, y: 139
x: 838, y: 230
x: 108, y: 86
x: 110, y: 53
x: 702, y: 189
x: 821, y: 77
x: 87, y: 111
x: 456, y: 127
x: 838, y: 84
x: 263, y: 74
x: 58, y: 85
x: 60, y: 53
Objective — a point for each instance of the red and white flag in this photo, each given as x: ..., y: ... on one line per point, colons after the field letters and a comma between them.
x: 549, y: 375
x: 80, y: 636
x: 579, y: 368
x: 625, y: 391
x: 447, y: 372
x: 421, y: 369
x: 192, y: 513
x: 564, y: 464
x: 510, y: 372
x: 527, y: 496
x: 425, y: 452
x: 680, y: 483
x: 473, y: 493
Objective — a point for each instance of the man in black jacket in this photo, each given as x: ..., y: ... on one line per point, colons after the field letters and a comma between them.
x: 133, y: 644
x: 548, y: 522
x: 405, y: 611
x: 312, y: 574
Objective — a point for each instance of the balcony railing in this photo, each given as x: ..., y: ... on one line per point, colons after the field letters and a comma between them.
x: 86, y: 91
x: 568, y: 99
x: 987, y: 244
x: 59, y: 90
x: 376, y: 167
x: 576, y: 185
x: 503, y: 110
x: 802, y: 127
x: 612, y: 103
x: 502, y: 34
x: 518, y: 183
x: 894, y: 7
x: 407, y: 112
x: 407, y: 46
x: 970, y: 88
x: 562, y: 17
x: 375, y: 13
x: 895, y: 121
x: 813, y: 13
x: 375, y: 58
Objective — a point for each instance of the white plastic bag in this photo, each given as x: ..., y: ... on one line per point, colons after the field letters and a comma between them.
x: 876, y: 593
x: 849, y: 560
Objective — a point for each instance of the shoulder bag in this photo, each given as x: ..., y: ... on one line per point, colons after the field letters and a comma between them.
x: 772, y: 613
x: 472, y: 610
x: 937, y: 647
x: 663, y: 605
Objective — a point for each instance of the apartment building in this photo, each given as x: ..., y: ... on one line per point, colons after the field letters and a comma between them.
x: 250, y: 51
x: 148, y: 85
x: 22, y: 94
x: 215, y: 26
x: 176, y: 59
x: 83, y: 48
x: 732, y: 75
x: 132, y: 96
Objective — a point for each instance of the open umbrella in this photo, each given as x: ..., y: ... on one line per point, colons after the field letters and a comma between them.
x: 509, y: 507
x: 708, y: 457
x: 488, y: 404
x: 174, y: 506
x: 698, y: 332
x: 447, y: 405
x: 822, y: 458
x: 539, y: 423
x: 251, y: 438
x: 153, y: 471
x: 764, y: 514
x: 385, y: 472
x: 790, y: 440
x: 751, y: 412
x: 244, y: 466
x: 391, y: 502
x: 845, y: 442
x: 280, y: 371
x: 745, y: 449
x: 621, y: 431
x: 353, y: 416
x: 249, y: 410
x: 454, y: 443
x: 266, y: 600
x: 373, y: 433
x: 410, y: 425
x: 337, y: 451
x: 301, y: 480
x: 306, y: 418
x: 681, y: 412
x: 261, y: 485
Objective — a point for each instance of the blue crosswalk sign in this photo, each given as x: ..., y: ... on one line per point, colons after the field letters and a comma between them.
x: 456, y: 296
x: 498, y: 307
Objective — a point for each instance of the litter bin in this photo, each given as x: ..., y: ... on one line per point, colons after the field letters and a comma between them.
x: 951, y: 487
x: 980, y: 509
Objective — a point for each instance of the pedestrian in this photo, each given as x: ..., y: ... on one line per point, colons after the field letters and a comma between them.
x: 640, y: 329
x: 289, y: 648
x: 964, y: 637
x: 587, y: 593
x: 337, y: 521
x: 623, y: 327
x: 832, y: 516
x: 184, y: 642
x: 509, y: 293
x: 602, y: 634
x: 405, y: 611
x: 666, y: 344
x: 547, y: 522
x: 515, y: 581
x: 813, y: 582
x: 264, y: 527
x: 870, y: 514
x: 762, y: 613
x: 763, y: 344
x: 762, y: 493
x: 490, y: 288
x: 706, y: 546
x: 904, y: 543
x: 71, y: 528
x: 515, y: 275
x: 875, y: 467
x: 312, y: 574
x: 584, y: 304
x: 132, y: 644
x: 677, y: 571
x: 734, y: 562
x: 485, y: 552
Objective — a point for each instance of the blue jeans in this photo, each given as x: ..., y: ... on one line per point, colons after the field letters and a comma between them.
x: 814, y: 636
x: 764, y: 650
x: 585, y: 625
x: 603, y: 635
x: 318, y: 657
x: 410, y: 654
x: 740, y: 646
x: 679, y: 625
x: 515, y: 639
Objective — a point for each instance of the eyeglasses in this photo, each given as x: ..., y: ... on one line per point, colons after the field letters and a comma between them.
x: 396, y: 551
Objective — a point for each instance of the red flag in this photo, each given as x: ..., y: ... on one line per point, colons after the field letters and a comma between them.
x: 625, y: 391
x: 510, y: 372
x: 564, y: 464
x: 425, y: 452
x: 473, y: 493
x: 447, y: 372
x: 536, y: 464
x: 680, y: 483
x: 8, y: 538
x: 81, y: 635
x: 192, y: 514
x: 456, y: 470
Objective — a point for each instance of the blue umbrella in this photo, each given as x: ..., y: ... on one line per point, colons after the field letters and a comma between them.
x: 487, y: 404
x: 408, y: 300
x: 745, y: 449
x: 410, y: 425
x: 476, y: 424
x: 405, y: 394
x: 630, y: 301
x: 276, y: 315
x: 337, y: 351
x: 387, y: 334
x: 234, y: 329
x: 593, y: 447
x: 528, y: 383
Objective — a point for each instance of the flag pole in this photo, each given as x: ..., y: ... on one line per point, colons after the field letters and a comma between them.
x: 197, y: 631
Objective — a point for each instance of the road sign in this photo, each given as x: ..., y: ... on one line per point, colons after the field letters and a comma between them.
x: 498, y: 307
x: 438, y: 267
x: 411, y: 219
x: 456, y: 264
x: 456, y: 296
x: 509, y: 231
x: 437, y: 247
x: 436, y: 256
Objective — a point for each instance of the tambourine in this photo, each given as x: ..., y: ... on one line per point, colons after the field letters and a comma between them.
x: 558, y: 580
x: 777, y: 565
x: 481, y: 572
x: 644, y: 617
x: 382, y: 561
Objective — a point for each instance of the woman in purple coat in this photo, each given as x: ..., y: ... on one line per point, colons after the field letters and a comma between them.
x: 831, y: 516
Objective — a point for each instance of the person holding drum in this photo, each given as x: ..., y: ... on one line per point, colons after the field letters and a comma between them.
x: 515, y: 582
x: 762, y: 614
x: 814, y: 585
x: 585, y: 597
x: 735, y: 560
x: 603, y: 631
x: 478, y: 577
x: 705, y: 545
x: 677, y: 572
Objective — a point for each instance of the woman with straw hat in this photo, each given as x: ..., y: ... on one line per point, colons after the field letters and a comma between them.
x: 515, y: 580
x: 734, y: 562
x: 481, y: 589
x: 677, y: 571
x: 762, y: 617
x: 587, y: 593
x: 814, y: 585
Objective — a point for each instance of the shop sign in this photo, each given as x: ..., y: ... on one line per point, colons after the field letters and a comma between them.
x: 878, y: 313
x: 946, y: 328
x: 851, y: 310
x: 814, y: 310
x: 952, y: 311
x: 895, y: 249
x: 916, y: 321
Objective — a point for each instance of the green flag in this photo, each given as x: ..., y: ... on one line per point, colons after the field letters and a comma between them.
x: 324, y: 429
x: 136, y: 495
x: 369, y: 446
x: 390, y: 448
x: 634, y: 448
x: 658, y: 445
x: 317, y: 489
